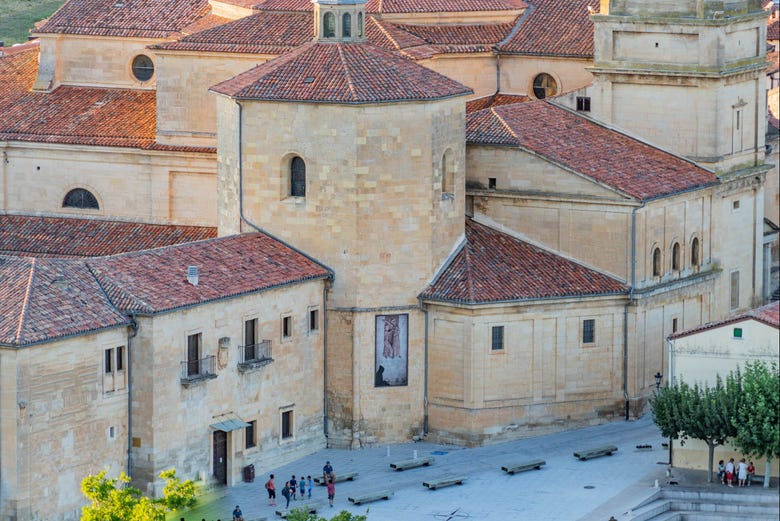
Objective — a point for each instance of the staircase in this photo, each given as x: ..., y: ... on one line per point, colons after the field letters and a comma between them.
x: 671, y: 504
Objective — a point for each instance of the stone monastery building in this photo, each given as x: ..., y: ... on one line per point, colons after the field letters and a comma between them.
x: 236, y: 231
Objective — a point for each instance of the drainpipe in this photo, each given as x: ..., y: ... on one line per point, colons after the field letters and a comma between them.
x: 425, y: 373
x: 130, y: 335
x: 498, y: 69
x: 670, y: 383
x: 625, y: 310
x: 325, y: 361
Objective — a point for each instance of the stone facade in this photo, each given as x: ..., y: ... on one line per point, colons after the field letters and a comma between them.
x: 58, y: 404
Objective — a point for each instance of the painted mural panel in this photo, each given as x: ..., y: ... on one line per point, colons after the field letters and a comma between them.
x: 391, y: 367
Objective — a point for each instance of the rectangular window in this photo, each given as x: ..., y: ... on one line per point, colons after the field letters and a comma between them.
x: 287, y: 424
x: 250, y: 339
x: 737, y: 332
x: 286, y: 327
x: 491, y: 183
x: 583, y: 103
x: 193, y: 354
x: 120, y: 358
x: 674, y: 325
x: 588, y: 331
x: 108, y: 365
x: 497, y: 338
x: 314, y: 319
x: 734, y: 294
x: 250, y: 431
x: 735, y: 205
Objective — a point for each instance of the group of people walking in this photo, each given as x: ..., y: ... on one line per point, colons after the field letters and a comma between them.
x: 301, y: 488
x: 742, y: 471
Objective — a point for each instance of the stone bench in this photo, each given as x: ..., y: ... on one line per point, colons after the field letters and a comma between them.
x: 444, y: 481
x: 310, y: 507
x: 755, y: 478
x: 412, y: 463
x: 523, y: 466
x: 370, y: 496
x: 595, y: 452
x: 337, y: 478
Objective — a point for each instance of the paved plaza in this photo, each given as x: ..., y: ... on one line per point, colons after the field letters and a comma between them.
x: 565, y: 489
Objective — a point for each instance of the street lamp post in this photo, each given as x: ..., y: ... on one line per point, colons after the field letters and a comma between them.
x: 658, y: 376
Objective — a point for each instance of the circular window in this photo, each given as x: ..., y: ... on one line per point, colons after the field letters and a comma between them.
x: 143, y: 67
x: 544, y: 85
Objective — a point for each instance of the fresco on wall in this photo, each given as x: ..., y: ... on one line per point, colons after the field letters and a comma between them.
x: 391, y: 361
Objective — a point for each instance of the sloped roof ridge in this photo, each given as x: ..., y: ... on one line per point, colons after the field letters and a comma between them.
x: 347, y: 73
x: 766, y: 314
x: 518, y: 23
x: 495, y: 225
x: 503, y: 123
x: 25, y: 305
x: 625, y: 132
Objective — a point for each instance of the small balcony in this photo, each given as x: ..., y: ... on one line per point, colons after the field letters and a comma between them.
x: 193, y: 371
x: 252, y: 356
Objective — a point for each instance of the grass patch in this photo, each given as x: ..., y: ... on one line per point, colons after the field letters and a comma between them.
x: 17, y: 17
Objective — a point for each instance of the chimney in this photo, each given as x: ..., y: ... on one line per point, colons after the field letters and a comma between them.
x: 192, y: 275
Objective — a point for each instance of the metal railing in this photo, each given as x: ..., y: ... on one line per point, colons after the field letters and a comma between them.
x: 199, y: 369
x: 254, y: 354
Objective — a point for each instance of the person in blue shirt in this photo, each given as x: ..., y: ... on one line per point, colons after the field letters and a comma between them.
x: 237, y: 514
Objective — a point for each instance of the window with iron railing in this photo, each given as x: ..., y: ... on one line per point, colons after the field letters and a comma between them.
x: 198, y: 369
x: 254, y: 355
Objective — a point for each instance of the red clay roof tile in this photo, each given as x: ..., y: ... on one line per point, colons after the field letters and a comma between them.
x: 397, y: 6
x: 262, y: 33
x: 624, y: 163
x: 340, y: 73
x: 18, y: 68
x: 154, y: 281
x: 494, y: 100
x: 81, y: 115
x: 495, y: 267
x: 555, y: 28
x: 125, y: 18
x: 47, y: 299
x: 35, y: 236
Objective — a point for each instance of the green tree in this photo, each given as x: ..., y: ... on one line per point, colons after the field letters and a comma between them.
x: 757, y: 419
x: 114, y: 500
x: 299, y: 514
x: 701, y: 413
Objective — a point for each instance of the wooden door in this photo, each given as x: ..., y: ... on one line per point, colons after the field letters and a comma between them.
x: 220, y: 457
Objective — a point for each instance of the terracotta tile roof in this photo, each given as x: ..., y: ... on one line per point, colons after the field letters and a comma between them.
x: 555, y: 28
x: 340, y: 73
x: 494, y: 100
x: 628, y: 165
x: 125, y: 18
x: 18, y: 68
x: 773, y: 29
x: 495, y: 267
x: 46, y: 299
x: 262, y: 33
x: 460, y: 34
x: 207, y: 22
x: 396, y: 6
x: 768, y: 314
x: 389, y: 35
x: 81, y: 115
x: 154, y: 281
x: 35, y: 236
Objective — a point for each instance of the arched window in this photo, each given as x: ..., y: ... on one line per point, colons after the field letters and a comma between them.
x: 657, y: 262
x: 297, y: 177
x: 360, y: 25
x: 544, y: 86
x: 695, y: 252
x: 80, y: 198
x: 329, y: 25
x: 676, y: 257
x: 346, y: 25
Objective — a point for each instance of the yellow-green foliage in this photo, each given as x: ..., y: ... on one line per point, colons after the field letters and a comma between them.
x: 115, y: 500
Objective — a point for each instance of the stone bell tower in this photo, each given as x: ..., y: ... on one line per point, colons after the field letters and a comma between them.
x: 685, y: 74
